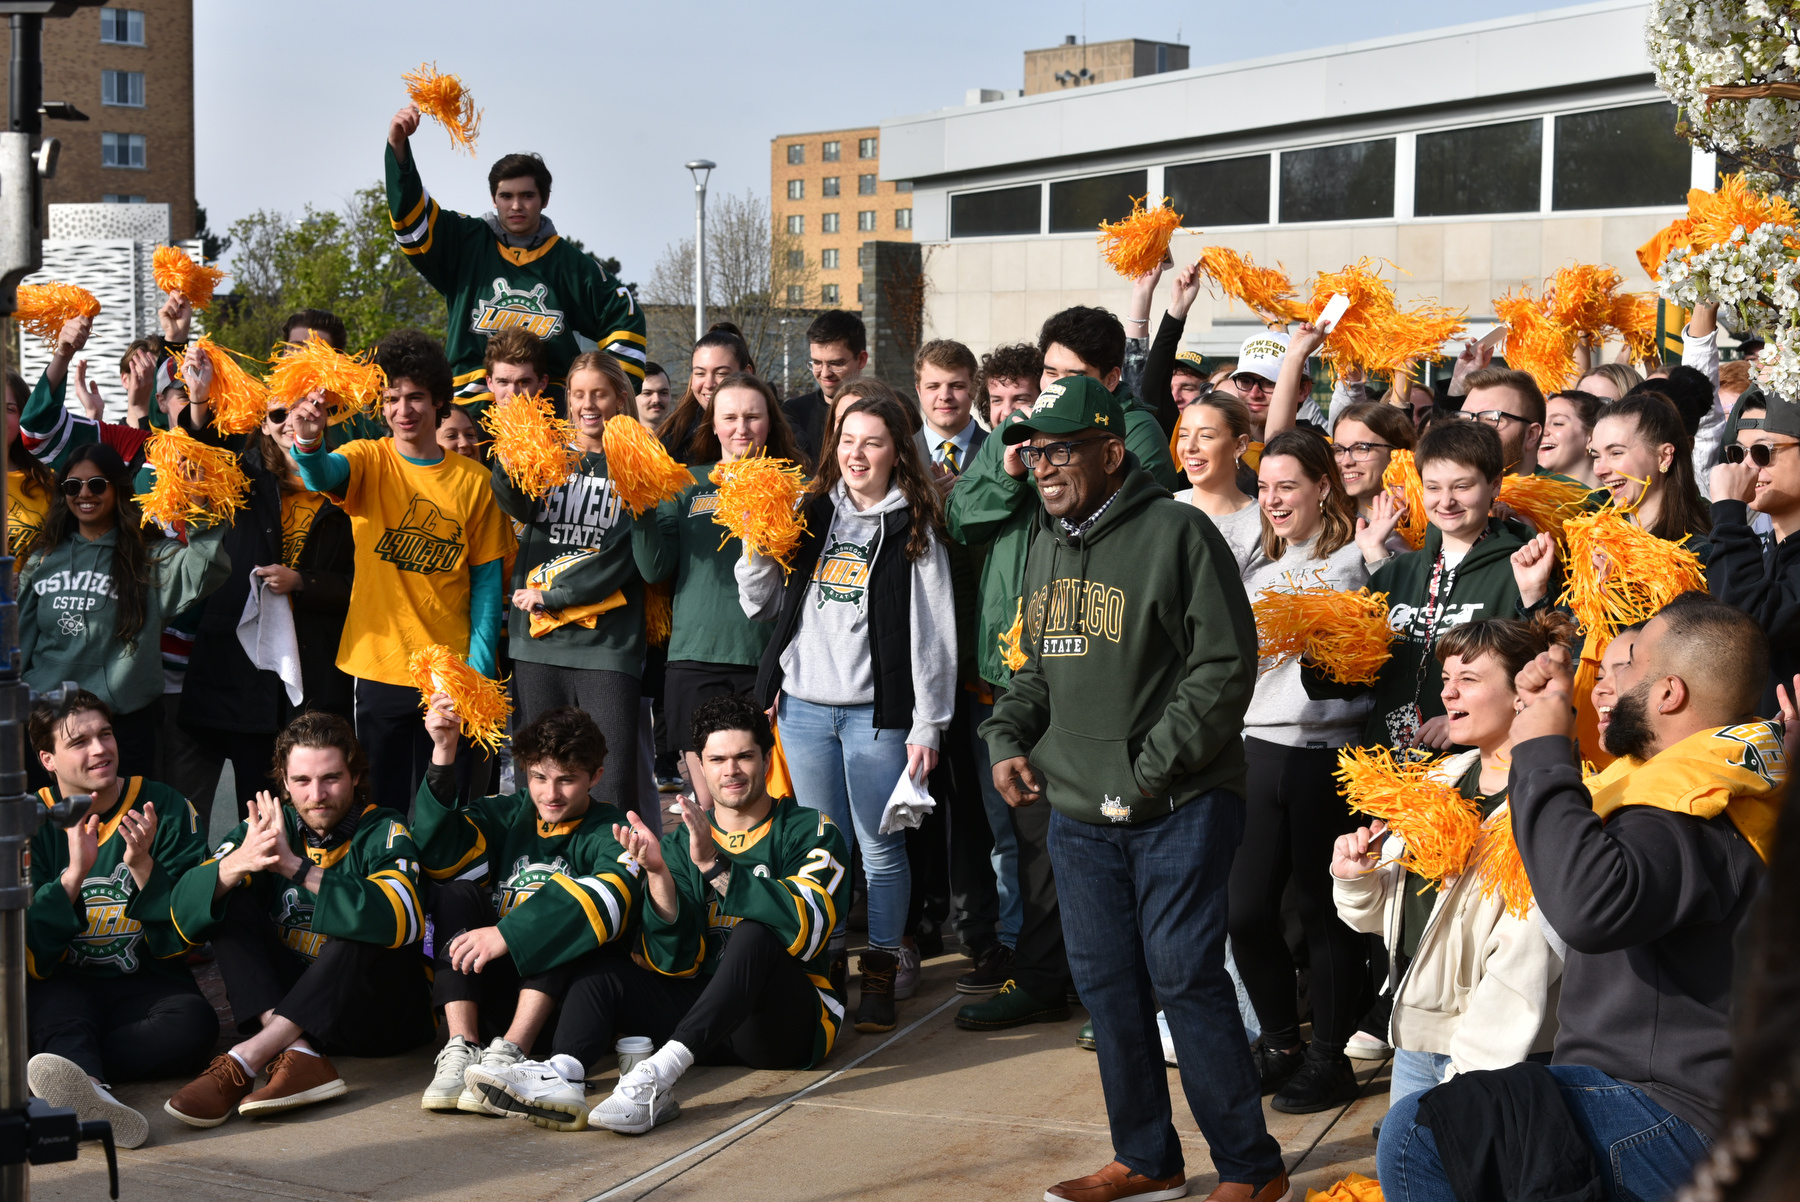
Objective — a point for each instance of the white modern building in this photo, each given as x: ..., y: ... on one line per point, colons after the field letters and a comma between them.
x: 1475, y: 158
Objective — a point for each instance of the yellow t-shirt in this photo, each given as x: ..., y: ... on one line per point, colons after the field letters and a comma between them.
x: 418, y: 529
x: 26, y: 506
x: 298, y: 511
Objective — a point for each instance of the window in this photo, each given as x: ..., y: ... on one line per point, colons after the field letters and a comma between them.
x: 122, y: 150
x: 1619, y: 158
x: 865, y: 255
x: 1486, y: 169
x: 829, y: 294
x: 903, y: 219
x: 865, y: 148
x: 1080, y: 205
x: 903, y: 185
x: 1338, y: 183
x: 1162, y: 59
x: 829, y: 186
x: 796, y: 295
x: 796, y: 259
x: 865, y: 185
x: 828, y: 259
x: 1222, y: 192
x: 828, y: 223
x: 859, y: 294
x: 121, y: 198
x: 796, y: 189
x: 796, y: 224
x: 796, y: 154
x: 122, y: 26
x: 1001, y: 211
x: 865, y: 221
x: 122, y: 88
x: 830, y: 152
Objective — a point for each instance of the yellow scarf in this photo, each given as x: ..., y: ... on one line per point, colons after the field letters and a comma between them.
x: 1740, y: 771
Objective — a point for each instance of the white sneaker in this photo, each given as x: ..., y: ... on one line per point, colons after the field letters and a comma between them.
x: 497, y: 1056
x: 64, y: 1083
x: 1168, y: 1041
x: 549, y: 1093
x: 906, y: 975
x: 446, y: 1086
x: 637, y: 1103
x: 1364, y: 1046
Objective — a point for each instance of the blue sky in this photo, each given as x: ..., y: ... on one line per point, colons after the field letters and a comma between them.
x: 293, y: 102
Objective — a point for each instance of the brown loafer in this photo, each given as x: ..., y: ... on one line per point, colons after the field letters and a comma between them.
x: 295, y: 1079
x: 1117, y: 1181
x: 209, y: 1099
x: 1243, y: 1191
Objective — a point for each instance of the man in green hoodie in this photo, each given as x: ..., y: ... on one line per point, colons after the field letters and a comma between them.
x: 1140, y: 660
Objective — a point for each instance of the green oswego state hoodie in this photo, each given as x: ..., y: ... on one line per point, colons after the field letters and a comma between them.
x: 1140, y: 661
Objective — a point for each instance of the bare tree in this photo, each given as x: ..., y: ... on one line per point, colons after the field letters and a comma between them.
x: 672, y: 279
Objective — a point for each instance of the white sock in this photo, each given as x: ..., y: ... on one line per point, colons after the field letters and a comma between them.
x: 243, y: 1064
x: 567, y: 1067
x: 302, y: 1048
x: 669, y: 1062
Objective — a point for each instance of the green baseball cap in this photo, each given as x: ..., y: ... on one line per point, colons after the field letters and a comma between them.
x: 1069, y: 406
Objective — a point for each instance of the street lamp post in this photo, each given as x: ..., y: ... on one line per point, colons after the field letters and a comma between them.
x: 701, y: 169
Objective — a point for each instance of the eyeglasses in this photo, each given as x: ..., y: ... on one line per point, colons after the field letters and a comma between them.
x: 1252, y: 383
x: 1762, y: 454
x: 1493, y: 417
x: 1056, y: 454
x: 94, y: 486
x: 278, y: 414
x: 1361, y: 452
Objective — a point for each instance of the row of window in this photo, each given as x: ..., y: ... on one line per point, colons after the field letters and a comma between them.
x: 865, y: 221
x: 123, y: 150
x: 828, y: 295
x: 832, y: 152
x: 1617, y: 158
x: 828, y: 258
x: 121, y: 27
x: 830, y: 186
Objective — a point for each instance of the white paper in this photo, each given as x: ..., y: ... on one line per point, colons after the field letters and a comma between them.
x: 1493, y: 336
x: 1335, y: 308
x: 907, y: 805
x: 266, y: 631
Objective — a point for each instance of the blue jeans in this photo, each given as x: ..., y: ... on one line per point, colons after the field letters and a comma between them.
x: 844, y: 766
x: 1143, y: 918
x: 1005, y: 855
x: 1643, y: 1152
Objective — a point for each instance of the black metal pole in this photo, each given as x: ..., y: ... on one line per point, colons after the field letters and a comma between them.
x: 26, y: 78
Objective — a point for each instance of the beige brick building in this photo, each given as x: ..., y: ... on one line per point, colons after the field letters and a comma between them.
x: 131, y: 70
x: 1077, y: 64
x: 828, y: 198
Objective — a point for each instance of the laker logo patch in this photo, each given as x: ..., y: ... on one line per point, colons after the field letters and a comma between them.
x: 842, y: 573
x: 110, y: 938
x: 426, y: 540
x: 507, y: 308
x: 527, y: 877
x: 1114, y: 809
x: 703, y: 504
x: 293, y: 919
x: 1765, y: 751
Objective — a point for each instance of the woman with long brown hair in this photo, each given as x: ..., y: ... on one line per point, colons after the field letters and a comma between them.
x: 862, y: 660
x: 1644, y: 457
x: 719, y: 354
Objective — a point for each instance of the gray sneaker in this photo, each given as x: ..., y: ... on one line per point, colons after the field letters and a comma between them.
x: 446, y: 1088
x: 906, y: 976
x: 497, y: 1056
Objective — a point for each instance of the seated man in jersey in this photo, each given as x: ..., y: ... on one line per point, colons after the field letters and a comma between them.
x: 312, y: 908
x: 110, y: 997
x: 534, y: 886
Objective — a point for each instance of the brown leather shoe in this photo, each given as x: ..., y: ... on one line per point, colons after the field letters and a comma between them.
x: 295, y: 1079
x: 209, y: 1099
x: 1242, y: 1191
x: 1117, y: 1181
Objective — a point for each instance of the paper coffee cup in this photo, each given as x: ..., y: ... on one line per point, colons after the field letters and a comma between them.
x: 633, y: 1050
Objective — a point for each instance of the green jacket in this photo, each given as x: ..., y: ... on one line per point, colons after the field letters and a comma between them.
x: 591, y: 547
x: 1140, y: 661
x: 67, y: 608
x: 370, y: 893
x: 790, y: 873
x: 708, y: 625
x: 118, y: 928
x: 551, y: 288
x: 500, y: 842
x: 1149, y: 442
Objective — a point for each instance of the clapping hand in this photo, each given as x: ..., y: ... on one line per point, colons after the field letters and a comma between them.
x: 84, y: 849
x: 139, y: 829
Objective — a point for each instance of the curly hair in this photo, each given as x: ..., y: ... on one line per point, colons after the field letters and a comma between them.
x: 1515, y: 642
x: 731, y: 711
x: 566, y: 736
x: 320, y: 730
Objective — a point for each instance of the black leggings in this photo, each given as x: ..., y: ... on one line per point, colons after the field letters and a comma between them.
x: 1293, y: 818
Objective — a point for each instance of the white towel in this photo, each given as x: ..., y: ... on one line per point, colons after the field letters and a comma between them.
x: 907, y: 805
x: 267, y: 632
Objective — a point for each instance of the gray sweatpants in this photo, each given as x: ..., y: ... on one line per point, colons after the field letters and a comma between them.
x: 611, y: 700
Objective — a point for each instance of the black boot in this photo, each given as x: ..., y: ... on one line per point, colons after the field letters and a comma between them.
x: 875, y: 1009
x: 1274, y: 1066
x: 1325, y: 1080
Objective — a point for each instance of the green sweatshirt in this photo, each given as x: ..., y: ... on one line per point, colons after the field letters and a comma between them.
x: 550, y: 288
x: 590, y: 548
x: 789, y: 872
x: 370, y: 891
x: 118, y: 928
x: 501, y: 842
x: 1140, y: 661
x: 68, y: 607
x: 708, y: 625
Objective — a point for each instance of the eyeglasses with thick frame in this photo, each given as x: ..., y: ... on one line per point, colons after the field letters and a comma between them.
x: 1493, y: 417
x: 1360, y: 452
x: 1762, y: 454
x: 1250, y: 382
x: 1056, y: 454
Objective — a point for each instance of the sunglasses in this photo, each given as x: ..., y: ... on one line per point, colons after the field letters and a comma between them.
x: 278, y: 414
x: 1762, y: 454
x: 94, y: 486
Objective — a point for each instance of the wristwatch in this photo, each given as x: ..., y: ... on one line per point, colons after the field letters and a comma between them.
x: 720, y: 867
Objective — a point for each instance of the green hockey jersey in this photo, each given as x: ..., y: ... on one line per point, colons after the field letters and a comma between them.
x: 560, y: 889
x: 370, y: 892
x: 551, y: 289
x: 788, y: 873
x: 117, y: 928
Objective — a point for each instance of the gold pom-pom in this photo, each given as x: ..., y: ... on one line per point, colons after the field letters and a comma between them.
x: 1374, y: 334
x: 1010, y: 654
x: 1401, y: 480
x: 1345, y: 634
x: 1545, y: 501
x: 1497, y: 866
x: 176, y: 272
x: 43, y: 309
x: 1536, y: 343
x: 194, y: 482
x: 532, y: 442
x: 1714, y: 216
x: 480, y: 702
x: 759, y: 500
x: 1265, y: 291
x: 1134, y: 245
x: 444, y: 99
x: 239, y: 400
x: 659, y: 612
x: 352, y: 383
x: 1619, y: 573
x: 642, y: 471
x: 1633, y: 318
x: 1580, y: 297
x: 1438, y: 824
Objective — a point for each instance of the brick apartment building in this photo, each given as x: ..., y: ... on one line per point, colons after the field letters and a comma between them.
x: 828, y: 199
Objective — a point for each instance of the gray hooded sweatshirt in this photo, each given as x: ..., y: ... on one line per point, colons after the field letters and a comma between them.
x: 828, y: 662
